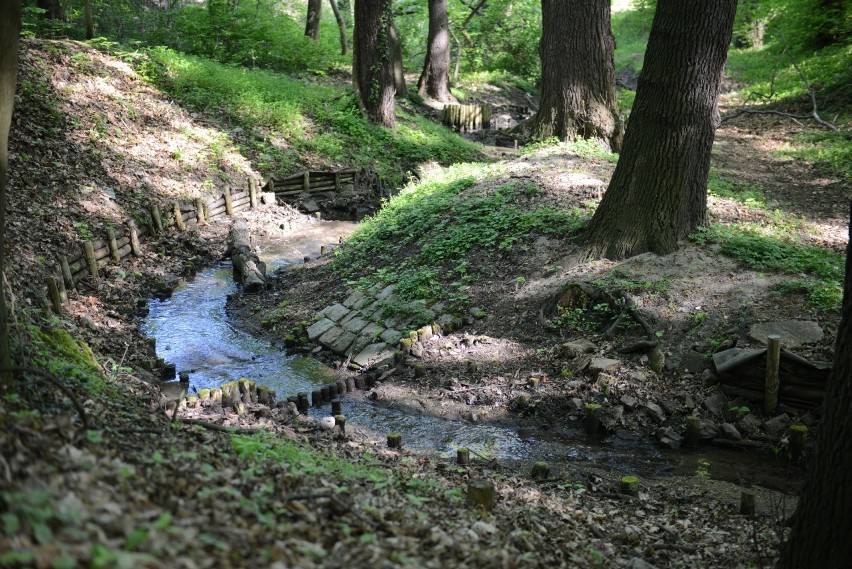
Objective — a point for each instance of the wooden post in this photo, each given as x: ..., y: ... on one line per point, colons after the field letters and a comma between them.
x: 340, y: 421
x: 394, y: 440
x: 316, y: 398
x: 199, y: 210
x: 135, y: 246
x: 113, y: 246
x: 629, y: 484
x: 540, y: 470
x: 773, y: 362
x: 60, y: 281
x: 693, y: 428
x: 66, y: 274
x: 155, y: 215
x: 178, y: 217
x: 90, y: 259
x: 306, y: 181
x: 252, y: 193
x: 419, y: 369
x: 463, y: 456
x: 302, y: 402
x: 798, y: 434
x: 229, y: 201
x: 591, y: 420
x: 325, y: 390
x: 337, y: 182
x: 481, y: 493
x: 53, y: 292
x: 747, y: 503
x: 336, y: 407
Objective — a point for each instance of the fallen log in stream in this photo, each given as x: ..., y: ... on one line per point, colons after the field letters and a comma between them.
x: 249, y: 270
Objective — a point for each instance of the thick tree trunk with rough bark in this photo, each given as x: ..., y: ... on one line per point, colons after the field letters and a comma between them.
x: 823, y: 523
x: 249, y: 270
x: 312, y: 22
x: 396, y: 52
x: 577, y: 74
x: 434, y: 81
x: 658, y: 192
x: 341, y: 25
x: 372, y: 73
x: 10, y: 29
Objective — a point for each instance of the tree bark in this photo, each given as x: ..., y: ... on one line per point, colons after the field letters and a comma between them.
x: 341, y: 25
x: 577, y: 74
x: 10, y: 30
x: 396, y: 52
x: 372, y: 72
x: 823, y: 520
x: 52, y: 9
x: 435, y: 79
x: 249, y: 270
x: 90, y: 25
x: 312, y: 23
x: 658, y: 192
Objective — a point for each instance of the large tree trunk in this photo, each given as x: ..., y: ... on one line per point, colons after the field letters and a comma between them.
x: 823, y: 523
x: 52, y: 9
x: 90, y: 25
x: 372, y: 72
x: 341, y: 25
x: 577, y: 73
x: 658, y: 192
x: 312, y: 24
x: 435, y: 79
x: 249, y: 270
x: 396, y: 52
x: 10, y: 29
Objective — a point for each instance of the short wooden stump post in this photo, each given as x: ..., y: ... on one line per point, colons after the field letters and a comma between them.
x: 592, y: 420
x: 481, y: 493
x: 395, y: 440
x: 629, y: 484
x: 747, y: 503
x: 463, y: 456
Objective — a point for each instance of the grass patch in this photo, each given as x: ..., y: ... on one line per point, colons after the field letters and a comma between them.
x: 631, y: 29
x: 425, y: 240
x: 263, y: 448
x: 286, y: 122
x: 746, y: 194
x: 831, y: 152
x: 760, y: 251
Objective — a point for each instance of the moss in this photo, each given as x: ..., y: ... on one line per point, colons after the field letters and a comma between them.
x: 62, y: 344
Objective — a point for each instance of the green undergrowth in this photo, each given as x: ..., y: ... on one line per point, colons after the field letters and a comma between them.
x: 429, y: 239
x: 819, y: 272
x: 285, y: 124
x: 264, y: 447
x: 774, y: 243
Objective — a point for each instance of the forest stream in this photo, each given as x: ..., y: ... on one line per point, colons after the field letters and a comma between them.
x: 192, y: 331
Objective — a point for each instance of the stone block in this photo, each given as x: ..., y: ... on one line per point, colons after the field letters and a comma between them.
x: 374, y: 355
x: 353, y: 298
x: 355, y: 325
x: 335, y: 312
x: 319, y: 328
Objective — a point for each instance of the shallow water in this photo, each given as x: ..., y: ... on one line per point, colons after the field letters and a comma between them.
x: 192, y: 331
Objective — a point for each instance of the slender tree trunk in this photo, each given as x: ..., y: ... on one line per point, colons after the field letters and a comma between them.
x: 396, y: 52
x: 577, y: 74
x: 341, y: 25
x: 90, y: 25
x: 372, y: 72
x: 312, y: 23
x: 10, y: 30
x: 52, y: 9
x: 435, y: 79
x: 823, y: 523
x: 658, y: 192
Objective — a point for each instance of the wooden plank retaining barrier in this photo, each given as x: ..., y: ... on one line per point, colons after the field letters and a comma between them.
x: 125, y: 240
x: 311, y: 181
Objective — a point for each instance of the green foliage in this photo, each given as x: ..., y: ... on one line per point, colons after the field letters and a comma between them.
x: 631, y: 29
x: 827, y: 150
x: 746, y: 194
x: 775, y: 252
x: 265, y: 447
x: 285, y: 121
x: 439, y: 224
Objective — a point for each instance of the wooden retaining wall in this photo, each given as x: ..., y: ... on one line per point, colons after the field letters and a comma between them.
x: 311, y: 181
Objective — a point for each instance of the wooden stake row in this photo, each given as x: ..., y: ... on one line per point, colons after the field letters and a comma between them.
x: 121, y: 244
